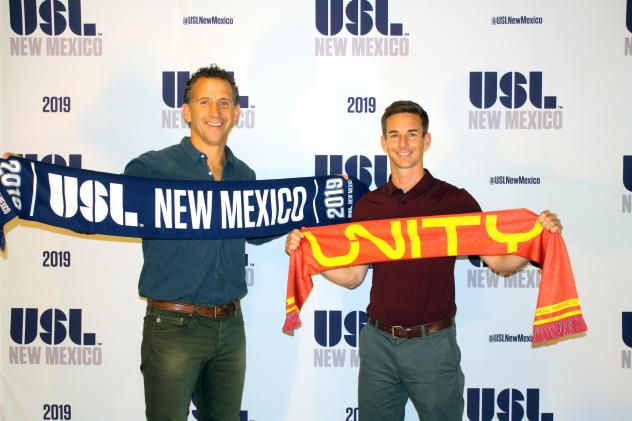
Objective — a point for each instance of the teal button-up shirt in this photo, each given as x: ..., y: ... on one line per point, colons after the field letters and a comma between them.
x: 207, y: 272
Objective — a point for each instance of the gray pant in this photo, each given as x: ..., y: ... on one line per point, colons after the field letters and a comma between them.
x: 427, y: 370
x: 182, y: 355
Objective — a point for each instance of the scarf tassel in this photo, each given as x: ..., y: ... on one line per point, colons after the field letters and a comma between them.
x: 292, y: 322
x: 558, y: 329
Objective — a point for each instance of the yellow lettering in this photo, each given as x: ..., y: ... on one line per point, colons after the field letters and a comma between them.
x: 413, y: 234
x: 512, y: 240
x: 352, y: 232
x: 573, y: 302
x: 451, y: 223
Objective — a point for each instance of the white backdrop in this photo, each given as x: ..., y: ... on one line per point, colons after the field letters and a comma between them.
x: 85, y: 87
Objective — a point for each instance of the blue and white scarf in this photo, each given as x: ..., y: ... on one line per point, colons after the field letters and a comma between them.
x: 91, y: 202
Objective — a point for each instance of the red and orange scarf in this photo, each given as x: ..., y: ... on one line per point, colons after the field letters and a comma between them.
x: 558, y: 313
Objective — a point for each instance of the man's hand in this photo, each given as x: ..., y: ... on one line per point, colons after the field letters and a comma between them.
x: 550, y: 221
x: 293, y: 241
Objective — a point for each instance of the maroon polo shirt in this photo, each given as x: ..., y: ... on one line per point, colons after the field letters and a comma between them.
x: 419, y: 291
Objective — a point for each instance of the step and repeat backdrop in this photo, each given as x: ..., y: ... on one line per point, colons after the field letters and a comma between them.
x: 529, y: 106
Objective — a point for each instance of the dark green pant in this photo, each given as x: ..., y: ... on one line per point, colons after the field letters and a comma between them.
x: 426, y: 370
x: 182, y: 355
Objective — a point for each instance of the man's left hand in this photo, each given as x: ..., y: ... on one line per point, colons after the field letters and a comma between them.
x: 550, y: 221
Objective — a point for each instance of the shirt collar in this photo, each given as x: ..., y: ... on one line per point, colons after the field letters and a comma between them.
x: 418, y: 189
x: 195, y: 155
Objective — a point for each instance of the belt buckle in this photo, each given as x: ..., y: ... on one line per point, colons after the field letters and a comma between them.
x: 393, y: 330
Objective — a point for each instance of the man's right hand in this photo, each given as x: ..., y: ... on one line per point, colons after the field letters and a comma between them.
x: 293, y: 241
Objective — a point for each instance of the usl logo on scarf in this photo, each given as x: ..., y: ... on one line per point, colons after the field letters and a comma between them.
x: 98, y: 201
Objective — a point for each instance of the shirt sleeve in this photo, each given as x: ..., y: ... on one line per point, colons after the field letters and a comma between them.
x: 137, y: 168
x: 467, y: 203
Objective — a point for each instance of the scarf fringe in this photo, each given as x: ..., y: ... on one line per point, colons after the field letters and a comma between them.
x: 292, y: 322
x: 559, y: 329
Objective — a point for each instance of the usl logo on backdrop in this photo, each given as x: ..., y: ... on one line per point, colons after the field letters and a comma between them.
x: 337, y: 337
x: 61, y: 333
x: 512, y: 101
x: 173, y: 84
x: 60, y: 22
x: 358, y: 28
x: 626, y: 336
x: 486, y: 404
x: 370, y: 172
x: 626, y: 198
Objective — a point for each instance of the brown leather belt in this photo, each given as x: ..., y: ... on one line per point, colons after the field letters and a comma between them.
x: 412, y: 332
x: 219, y: 312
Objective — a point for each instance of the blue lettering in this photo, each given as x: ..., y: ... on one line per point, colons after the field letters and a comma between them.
x: 173, y: 87
x: 173, y: 84
x: 328, y: 327
x: 476, y: 261
x: 354, y: 322
x: 23, y: 11
x: 511, y: 404
x: 484, y: 90
x: 53, y: 324
x: 74, y: 160
x: 330, y: 17
x: 627, y: 171
x: 357, y: 166
x: 23, y: 17
x: 477, y: 409
x: 626, y: 328
x: 23, y: 325
x: 357, y: 12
